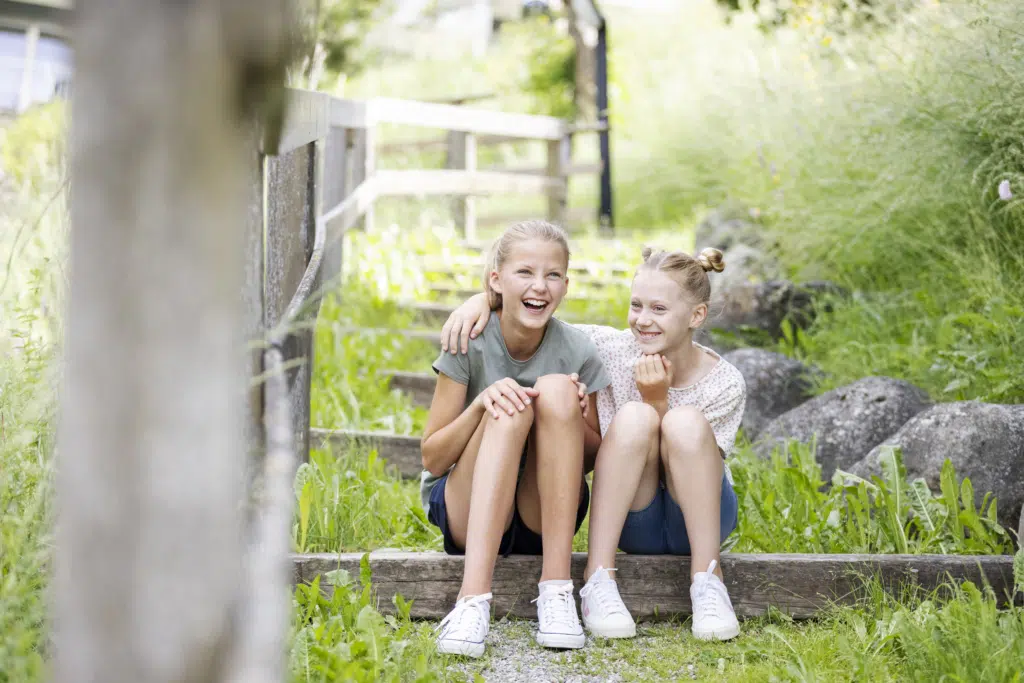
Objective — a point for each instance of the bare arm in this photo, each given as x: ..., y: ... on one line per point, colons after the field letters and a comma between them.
x: 449, y: 427
x: 591, y: 434
x: 465, y: 322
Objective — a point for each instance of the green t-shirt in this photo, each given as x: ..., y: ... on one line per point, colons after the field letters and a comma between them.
x: 563, y: 350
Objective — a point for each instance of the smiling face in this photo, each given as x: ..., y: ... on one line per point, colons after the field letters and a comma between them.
x: 532, y: 281
x: 661, y: 314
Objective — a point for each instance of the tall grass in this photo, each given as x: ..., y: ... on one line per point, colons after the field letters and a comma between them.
x: 32, y: 247
x: 873, y: 160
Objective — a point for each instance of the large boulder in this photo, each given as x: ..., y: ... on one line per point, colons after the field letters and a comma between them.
x: 762, y: 306
x: 745, y: 264
x: 848, y: 421
x: 984, y: 441
x: 728, y: 225
x: 775, y: 384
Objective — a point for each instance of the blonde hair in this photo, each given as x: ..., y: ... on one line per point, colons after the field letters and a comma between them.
x: 691, y: 272
x: 519, y: 232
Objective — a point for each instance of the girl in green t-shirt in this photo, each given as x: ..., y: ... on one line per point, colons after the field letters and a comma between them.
x: 504, y: 444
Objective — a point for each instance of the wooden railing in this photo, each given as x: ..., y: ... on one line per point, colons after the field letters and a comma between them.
x: 320, y: 181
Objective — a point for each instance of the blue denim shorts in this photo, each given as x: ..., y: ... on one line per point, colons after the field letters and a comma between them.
x: 659, y: 528
x: 518, y: 539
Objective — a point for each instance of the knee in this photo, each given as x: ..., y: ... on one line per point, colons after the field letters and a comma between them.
x: 557, y: 398
x: 639, y: 420
x: 516, y: 424
x: 685, y: 431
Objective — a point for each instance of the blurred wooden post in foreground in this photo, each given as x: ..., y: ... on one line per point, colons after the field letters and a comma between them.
x: 152, y: 449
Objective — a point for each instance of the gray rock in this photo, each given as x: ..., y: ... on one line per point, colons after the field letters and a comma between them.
x: 984, y: 441
x: 775, y: 385
x: 726, y: 226
x: 848, y: 421
x: 745, y: 264
x: 763, y: 306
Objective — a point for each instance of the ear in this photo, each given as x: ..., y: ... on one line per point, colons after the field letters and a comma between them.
x: 494, y: 281
x: 700, y: 314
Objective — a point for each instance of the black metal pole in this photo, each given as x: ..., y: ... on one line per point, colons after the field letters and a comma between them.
x: 605, y: 218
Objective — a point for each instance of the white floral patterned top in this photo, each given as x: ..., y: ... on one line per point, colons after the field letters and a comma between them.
x: 721, y: 394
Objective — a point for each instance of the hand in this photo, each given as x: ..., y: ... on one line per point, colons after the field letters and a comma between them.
x: 465, y: 322
x: 653, y: 376
x: 582, y: 393
x: 507, y: 395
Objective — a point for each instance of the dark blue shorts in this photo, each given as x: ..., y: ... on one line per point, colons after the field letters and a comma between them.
x: 518, y: 539
x: 659, y: 529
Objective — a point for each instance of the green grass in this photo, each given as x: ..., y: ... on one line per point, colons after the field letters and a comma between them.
x: 873, y: 160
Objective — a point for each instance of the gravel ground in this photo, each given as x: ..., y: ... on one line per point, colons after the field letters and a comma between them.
x: 513, y: 656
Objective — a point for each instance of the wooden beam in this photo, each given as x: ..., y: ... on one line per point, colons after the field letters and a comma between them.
x: 572, y: 169
x: 575, y: 215
x: 466, y: 120
x: 431, y: 144
x: 453, y: 182
x: 658, y: 586
x: 307, y: 119
x: 402, y: 452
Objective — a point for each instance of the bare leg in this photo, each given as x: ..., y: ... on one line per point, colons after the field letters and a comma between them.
x: 626, y: 477
x: 693, y: 476
x: 555, y: 474
x: 480, y: 493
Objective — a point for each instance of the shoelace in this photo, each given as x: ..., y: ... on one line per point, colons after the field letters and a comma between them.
x: 603, y: 595
x: 560, y: 608
x: 706, y: 597
x: 466, y: 615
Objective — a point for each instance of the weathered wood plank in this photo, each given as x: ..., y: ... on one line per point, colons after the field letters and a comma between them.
x: 289, y: 244
x: 401, y: 452
x: 658, y: 586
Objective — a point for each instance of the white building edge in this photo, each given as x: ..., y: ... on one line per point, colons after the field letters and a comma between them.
x: 36, y: 61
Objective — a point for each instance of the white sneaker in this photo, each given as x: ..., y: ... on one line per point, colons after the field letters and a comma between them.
x: 558, y: 622
x: 464, y: 629
x: 604, y: 614
x: 713, y: 616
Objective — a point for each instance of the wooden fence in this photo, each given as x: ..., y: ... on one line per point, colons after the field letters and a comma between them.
x: 322, y: 180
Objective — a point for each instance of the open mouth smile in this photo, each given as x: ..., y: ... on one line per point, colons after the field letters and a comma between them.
x: 535, y: 305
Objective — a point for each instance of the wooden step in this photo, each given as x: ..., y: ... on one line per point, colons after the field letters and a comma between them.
x: 431, y: 313
x: 401, y: 452
x: 418, y: 385
x: 658, y: 586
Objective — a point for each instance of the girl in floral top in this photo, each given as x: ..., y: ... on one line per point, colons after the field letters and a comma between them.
x: 667, y: 421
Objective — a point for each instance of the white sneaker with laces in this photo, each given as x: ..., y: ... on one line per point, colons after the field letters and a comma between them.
x: 604, y: 614
x: 713, y: 615
x: 464, y: 629
x: 558, y: 624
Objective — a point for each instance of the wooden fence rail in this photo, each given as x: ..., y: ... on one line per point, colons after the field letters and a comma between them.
x: 320, y: 181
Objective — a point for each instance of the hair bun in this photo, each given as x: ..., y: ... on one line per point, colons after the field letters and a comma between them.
x: 711, y: 259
